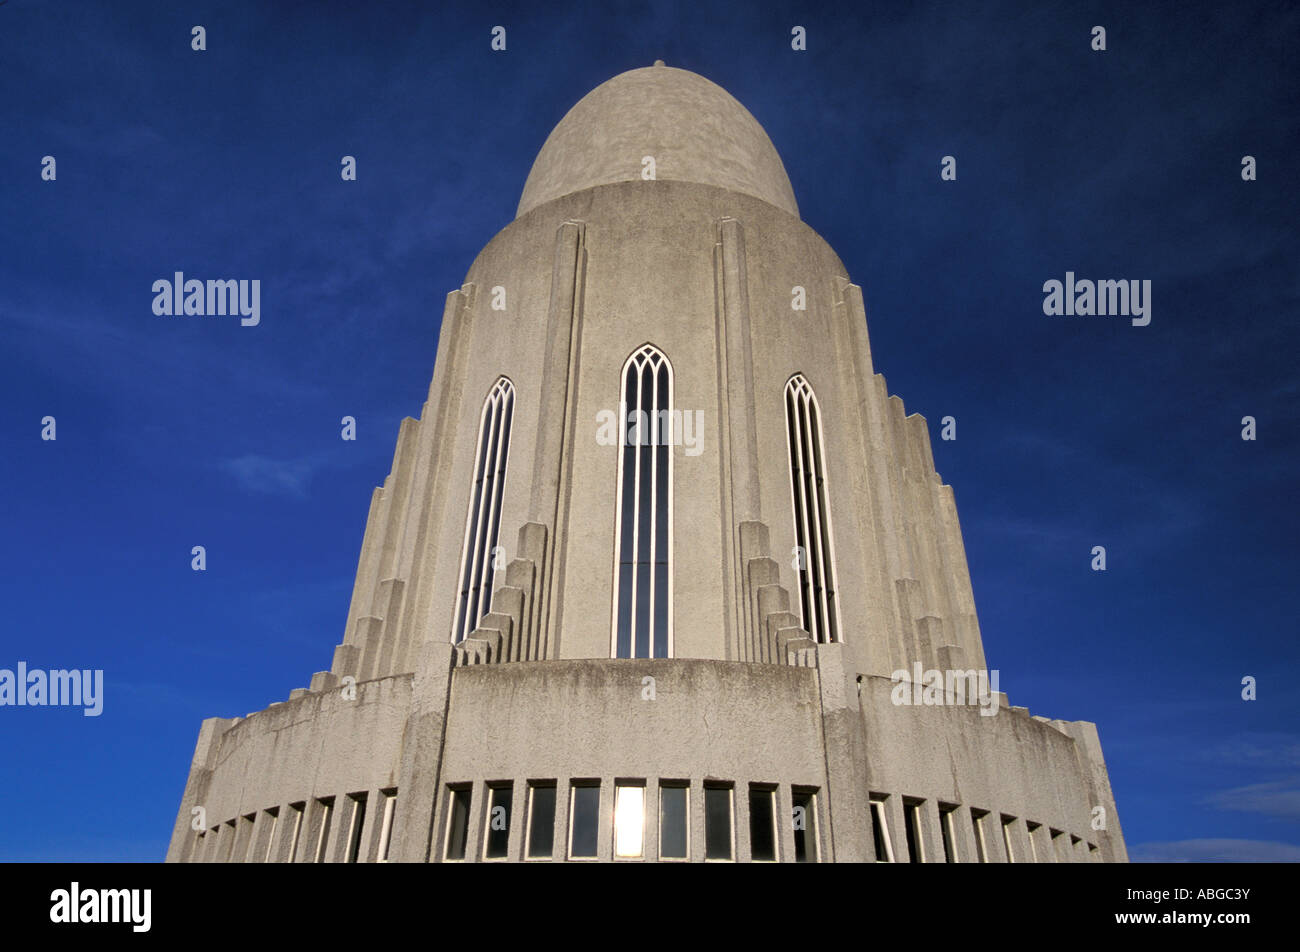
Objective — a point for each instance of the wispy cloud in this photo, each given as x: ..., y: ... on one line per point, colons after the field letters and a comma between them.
x: 1280, y: 798
x: 1215, y: 851
x: 262, y: 474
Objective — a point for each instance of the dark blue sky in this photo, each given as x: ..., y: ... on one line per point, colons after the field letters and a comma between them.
x: 1072, y: 432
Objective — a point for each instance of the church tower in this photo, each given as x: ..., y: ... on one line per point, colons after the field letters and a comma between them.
x: 662, y: 571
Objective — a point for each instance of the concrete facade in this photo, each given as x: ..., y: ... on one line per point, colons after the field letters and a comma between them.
x: 374, y: 759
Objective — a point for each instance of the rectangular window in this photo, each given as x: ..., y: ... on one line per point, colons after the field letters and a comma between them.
x: 717, y: 822
x: 880, y: 831
x: 496, y: 839
x: 584, y: 813
x: 946, y: 813
x: 458, y: 800
x: 674, y: 820
x: 1058, y: 847
x: 227, y: 841
x: 298, y: 809
x: 629, y: 820
x: 245, y: 841
x: 273, y: 815
x: 386, y: 829
x: 1008, y: 830
x: 1033, y: 831
x: 977, y: 825
x: 912, y: 827
x: 804, y: 818
x: 355, y: 826
x: 541, y: 821
x: 762, y: 824
x: 324, y: 810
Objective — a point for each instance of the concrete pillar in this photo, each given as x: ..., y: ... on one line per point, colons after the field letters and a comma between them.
x: 552, y: 457
x: 421, y: 768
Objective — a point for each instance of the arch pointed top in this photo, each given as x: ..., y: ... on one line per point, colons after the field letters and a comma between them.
x: 695, y: 130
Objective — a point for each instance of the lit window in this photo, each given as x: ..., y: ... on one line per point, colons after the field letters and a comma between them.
x: 496, y: 839
x: 674, y: 825
x: 629, y: 821
x: 458, y: 800
x: 762, y: 824
x: 717, y: 822
x: 584, y: 810
x: 880, y: 831
x: 812, y: 517
x: 805, y: 826
x: 483, y: 520
x: 643, y: 586
x: 541, y: 821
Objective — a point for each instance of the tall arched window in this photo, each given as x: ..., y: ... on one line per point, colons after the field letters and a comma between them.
x: 643, y: 578
x: 477, y: 561
x: 812, y: 517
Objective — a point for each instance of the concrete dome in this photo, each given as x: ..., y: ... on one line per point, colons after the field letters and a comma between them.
x: 695, y: 129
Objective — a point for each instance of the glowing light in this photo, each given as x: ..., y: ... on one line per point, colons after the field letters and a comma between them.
x: 629, y: 821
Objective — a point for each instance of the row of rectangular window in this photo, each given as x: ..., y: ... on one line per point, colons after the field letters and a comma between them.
x: 1044, y: 847
x: 629, y: 821
x: 241, y: 840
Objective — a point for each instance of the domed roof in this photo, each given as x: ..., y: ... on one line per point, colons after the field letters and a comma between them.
x: 695, y: 129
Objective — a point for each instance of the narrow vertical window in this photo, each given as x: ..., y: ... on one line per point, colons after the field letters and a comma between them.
x: 946, y: 814
x: 880, y: 832
x: 1056, y: 842
x: 804, y: 817
x: 1034, y: 834
x: 541, y: 821
x: 643, y: 579
x: 584, y: 809
x: 812, y: 518
x: 977, y: 826
x: 244, y: 844
x: 386, y: 829
x: 496, y: 839
x: 762, y: 824
x: 356, y: 825
x: 297, y: 809
x: 483, y: 520
x: 717, y: 822
x: 457, y: 823
x: 325, y: 814
x: 1008, y: 824
x: 629, y: 820
x: 674, y: 821
x: 912, y: 826
x: 274, y: 815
